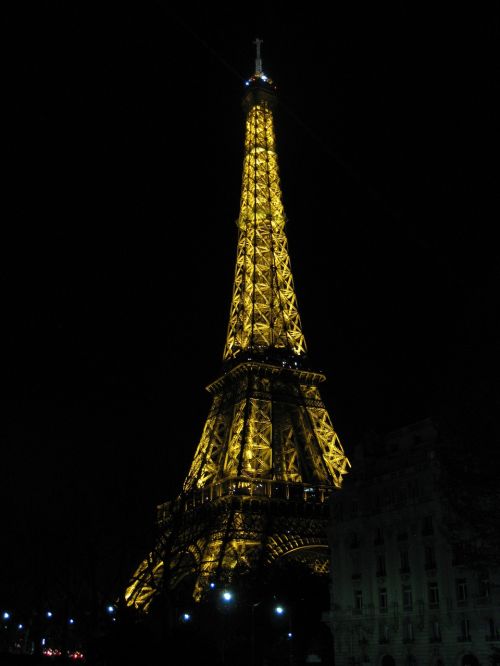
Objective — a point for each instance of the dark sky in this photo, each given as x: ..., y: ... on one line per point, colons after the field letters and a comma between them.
x: 124, y: 156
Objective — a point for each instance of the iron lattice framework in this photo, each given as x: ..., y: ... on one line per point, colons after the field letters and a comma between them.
x: 264, y: 313
x: 269, y: 456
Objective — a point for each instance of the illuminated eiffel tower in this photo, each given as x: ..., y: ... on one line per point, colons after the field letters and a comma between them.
x: 268, y: 457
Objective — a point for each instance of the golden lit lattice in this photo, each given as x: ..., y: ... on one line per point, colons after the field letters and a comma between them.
x: 269, y: 457
x: 264, y: 312
x: 330, y: 452
x: 206, y: 464
x: 266, y: 423
x: 145, y: 584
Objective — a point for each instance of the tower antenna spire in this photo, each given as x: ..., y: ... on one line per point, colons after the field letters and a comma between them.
x: 258, y: 59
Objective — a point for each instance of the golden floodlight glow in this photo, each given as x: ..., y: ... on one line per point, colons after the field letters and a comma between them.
x: 264, y: 310
x: 268, y: 457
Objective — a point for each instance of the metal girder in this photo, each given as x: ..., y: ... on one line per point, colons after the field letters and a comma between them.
x: 268, y: 425
x: 264, y: 311
x: 268, y: 457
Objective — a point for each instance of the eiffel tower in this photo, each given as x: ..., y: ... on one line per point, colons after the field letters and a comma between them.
x: 268, y: 457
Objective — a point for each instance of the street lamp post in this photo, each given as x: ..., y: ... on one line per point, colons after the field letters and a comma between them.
x: 281, y: 610
x: 227, y: 598
x: 252, y: 632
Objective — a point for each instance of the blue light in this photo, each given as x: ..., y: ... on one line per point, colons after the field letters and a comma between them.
x: 20, y: 626
x: 289, y: 634
x: 227, y: 596
x: 71, y: 621
x: 49, y: 614
x: 110, y: 609
x: 186, y: 617
x: 263, y: 77
x: 247, y: 83
x: 279, y: 610
x: 6, y: 615
x: 212, y: 585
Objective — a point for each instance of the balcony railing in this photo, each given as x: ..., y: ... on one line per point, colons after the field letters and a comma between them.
x: 302, y: 493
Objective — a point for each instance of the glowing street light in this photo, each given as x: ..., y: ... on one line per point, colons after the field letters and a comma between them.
x: 226, y: 597
x: 280, y: 610
x: 6, y: 615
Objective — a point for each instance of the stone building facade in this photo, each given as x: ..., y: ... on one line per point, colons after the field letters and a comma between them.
x: 404, y: 588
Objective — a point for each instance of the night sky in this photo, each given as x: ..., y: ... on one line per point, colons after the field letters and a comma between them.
x: 124, y: 155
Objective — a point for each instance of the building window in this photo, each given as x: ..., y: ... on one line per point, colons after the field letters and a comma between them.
x: 383, y: 633
x: 382, y: 600
x: 381, y: 565
x: 379, y: 536
x: 458, y: 553
x: 356, y: 569
x: 484, y: 587
x: 492, y: 633
x: 358, y: 600
x: 405, y: 562
x: 461, y: 590
x: 430, y: 557
x: 407, y: 598
x: 435, y: 632
x: 427, y: 526
x: 408, y: 632
x: 433, y: 595
x: 464, y: 630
